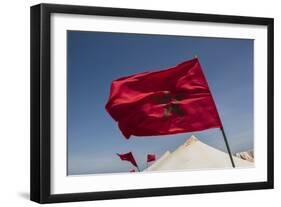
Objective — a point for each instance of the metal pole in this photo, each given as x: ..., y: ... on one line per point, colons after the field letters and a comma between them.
x: 228, y: 148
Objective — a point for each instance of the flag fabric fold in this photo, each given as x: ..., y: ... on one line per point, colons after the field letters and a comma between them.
x: 128, y: 157
x: 169, y: 101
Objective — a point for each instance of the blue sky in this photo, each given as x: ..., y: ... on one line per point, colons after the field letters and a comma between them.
x: 94, y: 59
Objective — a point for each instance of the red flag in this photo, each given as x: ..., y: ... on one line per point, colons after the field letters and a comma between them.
x: 132, y: 170
x: 170, y: 101
x: 151, y: 157
x: 128, y: 157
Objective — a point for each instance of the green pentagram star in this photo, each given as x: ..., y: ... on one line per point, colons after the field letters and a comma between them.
x: 171, y: 104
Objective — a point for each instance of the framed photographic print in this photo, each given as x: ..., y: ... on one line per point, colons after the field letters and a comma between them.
x: 132, y: 103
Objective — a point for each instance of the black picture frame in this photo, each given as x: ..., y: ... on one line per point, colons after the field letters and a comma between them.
x: 41, y: 97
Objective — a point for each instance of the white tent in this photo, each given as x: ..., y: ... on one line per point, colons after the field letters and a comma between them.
x: 194, y: 154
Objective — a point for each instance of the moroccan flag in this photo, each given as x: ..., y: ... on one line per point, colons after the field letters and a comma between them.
x: 128, y: 157
x: 169, y: 101
x: 151, y: 157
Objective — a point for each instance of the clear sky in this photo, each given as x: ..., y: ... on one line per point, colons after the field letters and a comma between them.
x: 96, y: 58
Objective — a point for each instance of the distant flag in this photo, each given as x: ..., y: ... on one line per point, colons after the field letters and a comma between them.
x: 132, y: 170
x: 170, y: 101
x: 151, y: 157
x: 128, y: 157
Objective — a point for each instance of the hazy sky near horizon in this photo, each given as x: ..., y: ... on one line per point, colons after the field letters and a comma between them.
x: 94, y: 59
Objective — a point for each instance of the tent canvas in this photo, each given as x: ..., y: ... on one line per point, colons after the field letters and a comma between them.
x: 195, y: 155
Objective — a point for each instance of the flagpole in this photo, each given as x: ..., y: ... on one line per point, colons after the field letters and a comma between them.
x: 225, y: 139
x: 227, y: 146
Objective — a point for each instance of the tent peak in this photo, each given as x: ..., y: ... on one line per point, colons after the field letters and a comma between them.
x: 191, y: 140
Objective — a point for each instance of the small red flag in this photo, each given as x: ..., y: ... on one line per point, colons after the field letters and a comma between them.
x: 170, y: 101
x: 151, y: 157
x: 132, y: 170
x: 128, y: 157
